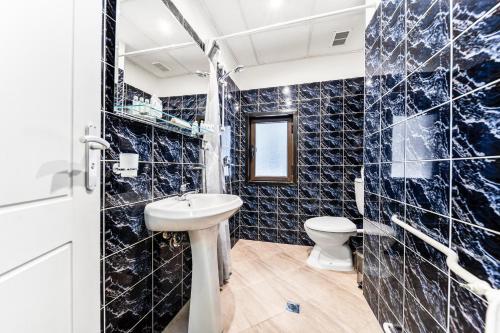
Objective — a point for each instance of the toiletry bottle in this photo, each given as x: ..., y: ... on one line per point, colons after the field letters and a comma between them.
x: 135, y: 103
x: 141, y: 105
x: 146, y: 107
x: 202, y: 126
x: 194, y: 128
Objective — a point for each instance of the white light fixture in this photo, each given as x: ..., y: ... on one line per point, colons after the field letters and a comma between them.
x: 286, y: 90
x: 164, y: 27
x: 275, y: 3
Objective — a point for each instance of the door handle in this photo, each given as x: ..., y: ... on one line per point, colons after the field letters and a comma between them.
x: 93, y: 146
x: 95, y: 142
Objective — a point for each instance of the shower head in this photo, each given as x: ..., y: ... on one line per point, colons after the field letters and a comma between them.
x: 237, y: 69
x: 202, y: 74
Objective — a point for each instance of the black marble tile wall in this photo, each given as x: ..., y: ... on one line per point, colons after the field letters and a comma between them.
x: 144, y: 283
x: 431, y: 157
x: 330, y: 155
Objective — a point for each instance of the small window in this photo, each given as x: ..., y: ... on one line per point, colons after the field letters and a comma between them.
x: 271, y: 147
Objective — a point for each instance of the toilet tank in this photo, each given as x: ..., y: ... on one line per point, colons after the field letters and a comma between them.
x: 359, y: 192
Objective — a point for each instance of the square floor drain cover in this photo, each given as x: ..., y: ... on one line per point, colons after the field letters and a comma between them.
x: 293, y: 307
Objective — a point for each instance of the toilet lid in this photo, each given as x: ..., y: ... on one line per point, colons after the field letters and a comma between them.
x: 331, y: 224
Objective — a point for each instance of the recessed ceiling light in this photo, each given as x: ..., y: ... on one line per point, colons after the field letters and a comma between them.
x: 275, y: 3
x: 164, y: 27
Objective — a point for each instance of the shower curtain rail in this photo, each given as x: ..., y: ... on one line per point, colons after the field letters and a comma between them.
x: 473, y: 283
x: 296, y: 21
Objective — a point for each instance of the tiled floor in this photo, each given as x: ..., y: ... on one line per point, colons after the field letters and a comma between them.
x: 267, y: 275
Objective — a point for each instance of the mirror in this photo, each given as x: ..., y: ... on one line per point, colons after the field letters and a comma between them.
x: 162, y: 74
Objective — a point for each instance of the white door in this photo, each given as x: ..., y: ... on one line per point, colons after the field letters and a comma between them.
x: 49, y: 222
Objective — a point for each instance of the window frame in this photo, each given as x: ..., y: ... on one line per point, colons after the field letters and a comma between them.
x: 266, y: 117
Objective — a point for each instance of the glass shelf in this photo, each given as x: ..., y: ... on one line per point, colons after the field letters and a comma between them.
x: 146, y: 114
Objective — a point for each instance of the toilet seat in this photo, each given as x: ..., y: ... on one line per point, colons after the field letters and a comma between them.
x: 330, y: 224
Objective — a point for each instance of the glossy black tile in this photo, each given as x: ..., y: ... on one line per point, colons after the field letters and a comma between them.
x: 288, y: 221
x: 429, y: 86
x: 428, y: 285
x: 392, y: 180
x: 476, y: 189
x: 429, y: 35
x: 417, y: 319
x: 309, y: 90
x: 474, y: 55
x: 127, y: 136
x: 268, y: 235
x: 191, y: 150
x: 121, y: 191
x: 309, y: 107
x: 167, y: 146
x: 354, y: 86
x: 428, y: 185
x: 432, y: 225
x: 167, y: 179
x: 287, y: 236
x: 126, y: 311
x: 332, y: 156
x: 428, y: 135
x: 166, y: 277
x: 475, y: 123
x: 124, y: 226
x: 478, y: 250
x: 249, y: 97
x: 268, y: 220
x: 467, y: 311
x: 124, y: 269
x: 333, y: 88
x: 166, y: 309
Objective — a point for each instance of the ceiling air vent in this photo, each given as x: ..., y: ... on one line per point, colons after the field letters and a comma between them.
x: 339, y: 38
x: 161, y: 66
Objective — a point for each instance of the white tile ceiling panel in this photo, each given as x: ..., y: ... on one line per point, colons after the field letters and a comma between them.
x: 152, y: 19
x: 226, y: 15
x: 259, y: 13
x: 282, y: 45
x: 192, y: 58
x: 307, y: 39
x: 145, y: 61
x: 323, y: 6
x: 242, y: 50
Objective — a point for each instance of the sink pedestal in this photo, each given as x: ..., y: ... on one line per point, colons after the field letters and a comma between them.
x: 205, y: 309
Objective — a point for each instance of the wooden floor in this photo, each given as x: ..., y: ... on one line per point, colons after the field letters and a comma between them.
x: 267, y: 275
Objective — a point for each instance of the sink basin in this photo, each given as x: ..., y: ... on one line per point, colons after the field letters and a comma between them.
x: 199, y: 211
x: 199, y: 215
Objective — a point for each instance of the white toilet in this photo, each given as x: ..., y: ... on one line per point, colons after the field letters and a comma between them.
x: 330, y: 234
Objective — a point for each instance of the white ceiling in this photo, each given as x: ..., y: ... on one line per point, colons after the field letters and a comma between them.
x: 148, y: 23
x: 144, y: 24
x: 305, y: 40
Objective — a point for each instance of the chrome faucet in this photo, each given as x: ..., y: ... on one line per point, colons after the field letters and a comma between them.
x: 185, y: 193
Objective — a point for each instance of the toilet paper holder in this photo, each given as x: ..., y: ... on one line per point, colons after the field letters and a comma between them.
x: 128, y: 165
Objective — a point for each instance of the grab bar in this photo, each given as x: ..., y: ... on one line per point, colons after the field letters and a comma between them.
x: 473, y: 283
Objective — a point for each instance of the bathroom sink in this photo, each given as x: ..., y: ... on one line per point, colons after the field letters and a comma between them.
x: 197, y: 211
x: 199, y: 215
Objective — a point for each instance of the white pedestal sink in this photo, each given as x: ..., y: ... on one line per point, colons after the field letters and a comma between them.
x: 200, y: 215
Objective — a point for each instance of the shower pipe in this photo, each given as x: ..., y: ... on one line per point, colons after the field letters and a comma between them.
x: 473, y: 283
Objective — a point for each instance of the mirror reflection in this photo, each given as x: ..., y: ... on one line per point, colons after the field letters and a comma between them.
x: 162, y: 74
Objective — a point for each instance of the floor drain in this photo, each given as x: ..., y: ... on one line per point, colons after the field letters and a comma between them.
x: 293, y: 307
